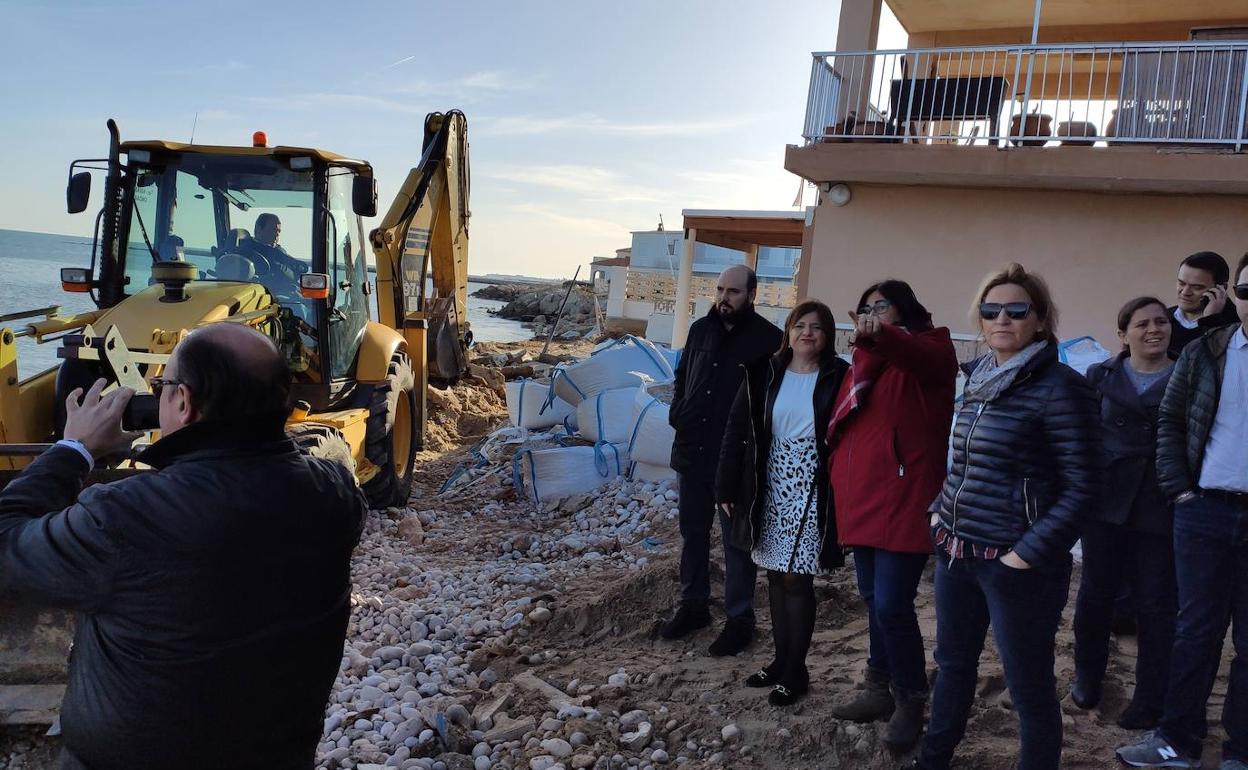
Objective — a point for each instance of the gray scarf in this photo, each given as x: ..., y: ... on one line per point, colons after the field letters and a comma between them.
x: 991, y: 379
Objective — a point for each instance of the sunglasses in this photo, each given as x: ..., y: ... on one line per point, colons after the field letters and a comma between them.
x: 1241, y: 290
x: 879, y: 307
x: 1017, y: 311
x: 159, y: 383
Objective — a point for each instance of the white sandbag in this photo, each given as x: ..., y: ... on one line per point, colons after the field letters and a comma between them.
x: 672, y: 356
x: 652, y: 438
x: 542, y: 475
x: 654, y: 474
x: 624, y: 363
x: 1081, y: 353
x: 528, y: 407
x: 608, y: 416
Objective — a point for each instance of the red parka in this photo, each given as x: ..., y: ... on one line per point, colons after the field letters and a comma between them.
x: 888, y: 456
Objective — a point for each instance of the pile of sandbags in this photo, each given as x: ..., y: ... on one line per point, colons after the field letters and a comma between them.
x: 628, y: 362
x: 602, y: 399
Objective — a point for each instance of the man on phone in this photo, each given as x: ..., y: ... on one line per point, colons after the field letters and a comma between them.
x: 1202, y: 301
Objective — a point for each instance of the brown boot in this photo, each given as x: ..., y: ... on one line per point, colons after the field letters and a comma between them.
x: 873, y: 703
x: 906, y: 725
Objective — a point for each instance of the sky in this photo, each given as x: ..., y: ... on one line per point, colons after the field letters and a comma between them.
x: 586, y: 120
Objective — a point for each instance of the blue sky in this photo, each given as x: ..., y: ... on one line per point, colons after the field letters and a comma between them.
x: 586, y: 119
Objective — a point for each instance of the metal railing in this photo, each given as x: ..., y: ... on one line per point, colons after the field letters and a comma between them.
x: 1189, y: 93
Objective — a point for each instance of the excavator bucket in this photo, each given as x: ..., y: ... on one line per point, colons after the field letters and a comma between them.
x: 421, y: 248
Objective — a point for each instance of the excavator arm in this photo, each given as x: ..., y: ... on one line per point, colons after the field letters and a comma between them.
x: 421, y: 250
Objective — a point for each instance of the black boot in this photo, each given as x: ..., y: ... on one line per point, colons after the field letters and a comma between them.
x: 735, y: 637
x: 1085, y: 693
x: 906, y: 724
x: 688, y: 618
x: 873, y: 703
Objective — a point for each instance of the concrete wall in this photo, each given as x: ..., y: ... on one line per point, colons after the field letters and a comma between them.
x: 1096, y: 250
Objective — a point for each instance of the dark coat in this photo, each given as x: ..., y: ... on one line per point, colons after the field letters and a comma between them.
x: 1026, y: 466
x: 1131, y: 495
x: 1187, y: 412
x: 888, y: 458
x: 742, y: 476
x: 212, y: 595
x: 707, y: 379
x: 1181, y: 336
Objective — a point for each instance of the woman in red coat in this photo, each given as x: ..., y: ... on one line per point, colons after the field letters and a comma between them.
x: 888, y: 437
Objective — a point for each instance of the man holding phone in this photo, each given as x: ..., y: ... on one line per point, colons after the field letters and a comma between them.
x: 1202, y: 299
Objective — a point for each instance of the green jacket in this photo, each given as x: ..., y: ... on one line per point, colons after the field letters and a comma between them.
x: 1188, y: 409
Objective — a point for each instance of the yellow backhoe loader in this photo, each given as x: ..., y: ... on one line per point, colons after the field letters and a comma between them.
x: 272, y: 237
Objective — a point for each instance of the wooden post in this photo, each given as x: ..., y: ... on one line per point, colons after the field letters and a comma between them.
x: 751, y: 257
x: 684, y: 282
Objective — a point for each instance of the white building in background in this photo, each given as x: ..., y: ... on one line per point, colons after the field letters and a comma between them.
x: 641, y: 291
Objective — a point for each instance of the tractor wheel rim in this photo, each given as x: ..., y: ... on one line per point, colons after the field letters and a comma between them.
x: 401, y: 436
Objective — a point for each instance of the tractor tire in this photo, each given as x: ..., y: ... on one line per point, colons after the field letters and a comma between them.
x: 391, y: 435
x: 323, y: 441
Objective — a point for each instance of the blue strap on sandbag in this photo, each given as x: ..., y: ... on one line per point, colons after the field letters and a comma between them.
x: 632, y: 470
x: 632, y: 441
x: 520, y: 406
x: 601, y: 460
x: 517, y: 477
x: 602, y: 430
x: 658, y: 360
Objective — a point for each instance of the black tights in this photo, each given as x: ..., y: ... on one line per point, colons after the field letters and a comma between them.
x: 792, y: 625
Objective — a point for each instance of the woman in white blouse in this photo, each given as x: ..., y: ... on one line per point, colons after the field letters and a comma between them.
x: 772, y: 484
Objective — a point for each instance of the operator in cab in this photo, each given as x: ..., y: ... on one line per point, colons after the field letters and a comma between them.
x: 214, y: 586
x: 270, y: 258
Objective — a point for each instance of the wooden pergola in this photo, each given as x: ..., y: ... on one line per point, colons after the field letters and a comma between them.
x: 743, y: 231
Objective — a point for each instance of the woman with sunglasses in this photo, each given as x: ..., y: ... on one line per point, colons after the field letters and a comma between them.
x: 1024, y: 473
x: 888, y: 437
x: 771, y: 483
x: 1131, y: 533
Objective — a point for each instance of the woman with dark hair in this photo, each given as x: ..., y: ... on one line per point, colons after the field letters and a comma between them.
x: 1025, y: 472
x: 888, y: 438
x: 771, y: 483
x: 1131, y: 532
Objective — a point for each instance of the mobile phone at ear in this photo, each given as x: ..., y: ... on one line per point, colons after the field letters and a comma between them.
x: 142, y: 412
x: 1204, y: 298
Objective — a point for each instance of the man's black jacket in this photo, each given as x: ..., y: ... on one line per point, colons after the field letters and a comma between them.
x: 212, y: 595
x: 1187, y: 412
x: 1181, y: 336
x: 707, y: 378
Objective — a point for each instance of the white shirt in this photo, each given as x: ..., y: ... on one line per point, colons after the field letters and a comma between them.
x: 1182, y: 319
x: 793, y: 414
x: 1226, y: 453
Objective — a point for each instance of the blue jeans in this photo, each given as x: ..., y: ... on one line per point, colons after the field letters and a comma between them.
x: 1112, y: 555
x: 1024, y: 608
x: 697, y: 518
x: 888, y: 582
x: 1211, y: 562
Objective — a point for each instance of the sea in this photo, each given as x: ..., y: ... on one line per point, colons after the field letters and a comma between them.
x: 30, y: 278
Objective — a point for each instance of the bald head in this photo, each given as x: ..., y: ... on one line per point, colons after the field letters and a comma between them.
x: 734, y: 294
x: 231, y: 371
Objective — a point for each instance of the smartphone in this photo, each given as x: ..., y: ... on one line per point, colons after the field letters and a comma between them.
x: 142, y: 412
x: 1204, y: 298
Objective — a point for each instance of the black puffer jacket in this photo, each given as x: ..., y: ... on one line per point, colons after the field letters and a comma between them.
x: 1188, y: 409
x: 210, y: 591
x: 1026, y: 466
x: 707, y: 379
x: 742, y: 476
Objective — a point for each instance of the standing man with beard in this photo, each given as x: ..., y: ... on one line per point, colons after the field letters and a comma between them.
x: 731, y: 336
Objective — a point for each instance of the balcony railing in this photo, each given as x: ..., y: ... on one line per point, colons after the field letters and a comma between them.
x: 1192, y: 93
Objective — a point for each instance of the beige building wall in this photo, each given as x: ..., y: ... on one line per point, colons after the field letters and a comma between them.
x: 1096, y: 250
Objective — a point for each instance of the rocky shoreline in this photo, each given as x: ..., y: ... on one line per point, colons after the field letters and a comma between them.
x: 539, y: 307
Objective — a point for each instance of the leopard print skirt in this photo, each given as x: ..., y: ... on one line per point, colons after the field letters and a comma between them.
x: 785, y: 544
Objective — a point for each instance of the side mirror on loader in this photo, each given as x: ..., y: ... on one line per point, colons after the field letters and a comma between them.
x: 364, y: 196
x: 78, y: 192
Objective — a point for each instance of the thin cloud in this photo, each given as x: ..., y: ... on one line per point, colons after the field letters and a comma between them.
x: 527, y: 125
x: 329, y: 99
x: 588, y: 181
x: 601, y: 227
